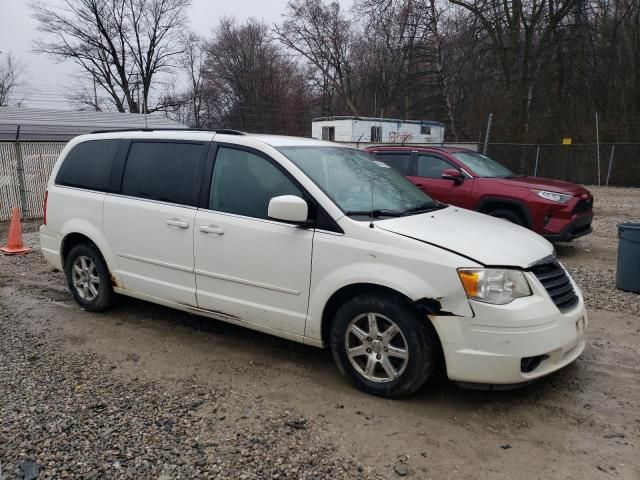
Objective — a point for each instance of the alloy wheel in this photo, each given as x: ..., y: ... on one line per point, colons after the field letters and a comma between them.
x: 376, y: 347
x: 85, y: 278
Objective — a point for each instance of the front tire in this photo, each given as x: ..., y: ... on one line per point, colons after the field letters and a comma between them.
x: 508, y: 215
x: 383, y: 345
x: 88, y: 278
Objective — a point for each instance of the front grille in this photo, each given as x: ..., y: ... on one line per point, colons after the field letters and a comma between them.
x: 555, y: 280
x: 584, y: 205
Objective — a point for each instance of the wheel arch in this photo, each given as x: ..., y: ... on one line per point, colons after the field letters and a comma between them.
x: 70, y: 241
x: 84, y: 232
x: 488, y: 204
x: 339, y: 297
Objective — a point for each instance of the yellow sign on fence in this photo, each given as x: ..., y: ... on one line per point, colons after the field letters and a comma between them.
x: 566, y: 141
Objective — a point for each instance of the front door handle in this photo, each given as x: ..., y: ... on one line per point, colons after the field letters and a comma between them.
x: 174, y: 222
x: 212, y: 229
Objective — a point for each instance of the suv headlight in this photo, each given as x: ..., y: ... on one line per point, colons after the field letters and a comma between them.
x: 492, y: 285
x: 553, y: 196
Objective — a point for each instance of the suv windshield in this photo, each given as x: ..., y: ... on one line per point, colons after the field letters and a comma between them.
x: 347, y: 176
x: 482, y: 165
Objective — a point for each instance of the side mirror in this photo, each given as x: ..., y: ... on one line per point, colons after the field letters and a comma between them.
x: 452, y: 174
x: 288, y: 208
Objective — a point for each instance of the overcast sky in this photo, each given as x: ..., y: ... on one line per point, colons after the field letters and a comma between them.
x: 48, y: 80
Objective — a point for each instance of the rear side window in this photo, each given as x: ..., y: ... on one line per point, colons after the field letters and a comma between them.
x: 88, y: 165
x: 400, y: 161
x: 164, y: 171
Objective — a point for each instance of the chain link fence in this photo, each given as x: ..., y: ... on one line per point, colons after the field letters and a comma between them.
x: 24, y: 171
x: 25, y: 166
x: 612, y: 164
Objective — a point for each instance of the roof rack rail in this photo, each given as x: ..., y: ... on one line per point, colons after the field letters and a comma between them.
x: 223, y: 131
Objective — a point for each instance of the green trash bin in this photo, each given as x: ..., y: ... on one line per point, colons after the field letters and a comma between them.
x: 628, y: 275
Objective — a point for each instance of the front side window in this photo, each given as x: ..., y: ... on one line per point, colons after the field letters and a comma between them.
x: 88, y: 165
x: 244, y: 183
x: 482, y: 165
x: 400, y: 161
x: 430, y: 166
x: 164, y: 171
x: 350, y: 177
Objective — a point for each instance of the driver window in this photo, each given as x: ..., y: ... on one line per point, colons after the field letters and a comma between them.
x: 243, y: 183
x: 430, y: 166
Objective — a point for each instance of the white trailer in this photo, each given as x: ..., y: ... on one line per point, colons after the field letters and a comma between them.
x: 371, y: 130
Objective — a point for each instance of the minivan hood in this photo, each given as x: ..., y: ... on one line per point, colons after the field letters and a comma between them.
x: 484, y: 239
x: 540, y: 183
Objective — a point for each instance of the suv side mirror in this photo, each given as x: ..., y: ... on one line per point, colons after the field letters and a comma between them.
x: 452, y: 174
x: 288, y: 208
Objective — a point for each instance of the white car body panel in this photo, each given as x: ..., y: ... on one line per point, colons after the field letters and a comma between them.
x: 253, y: 269
x: 153, y: 246
x: 489, y: 240
x: 277, y: 277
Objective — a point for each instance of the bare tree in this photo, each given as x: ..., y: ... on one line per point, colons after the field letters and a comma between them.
x: 520, y: 34
x: 250, y: 83
x: 122, y: 45
x: 11, y: 76
x: 321, y: 34
x: 193, y: 64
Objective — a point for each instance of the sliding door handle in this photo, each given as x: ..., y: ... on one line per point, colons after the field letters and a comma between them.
x: 175, y: 222
x: 212, y: 229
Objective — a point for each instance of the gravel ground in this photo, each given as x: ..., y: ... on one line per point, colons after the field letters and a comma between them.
x: 152, y: 393
x: 72, y: 415
x: 592, y: 259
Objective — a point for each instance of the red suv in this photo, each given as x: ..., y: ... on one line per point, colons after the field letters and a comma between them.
x: 560, y: 211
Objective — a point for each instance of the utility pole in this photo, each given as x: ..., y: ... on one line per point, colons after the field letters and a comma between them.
x: 144, y: 108
x: 24, y: 206
x: 598, y: 147
x: 487, y: 134
x: 138, y: 91
x: 95, y: 95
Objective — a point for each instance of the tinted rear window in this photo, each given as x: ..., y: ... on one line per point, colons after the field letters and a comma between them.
x: 165, y: 171
x: 400, y: 161
x: 88, y: 165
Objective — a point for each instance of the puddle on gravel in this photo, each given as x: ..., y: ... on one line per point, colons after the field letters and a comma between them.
x: 40, y: 291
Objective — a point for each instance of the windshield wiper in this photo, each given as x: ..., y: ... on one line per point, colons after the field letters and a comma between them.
x: 376, y: 213
x: 424, y: 208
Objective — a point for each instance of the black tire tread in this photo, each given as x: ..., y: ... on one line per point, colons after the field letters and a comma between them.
x: 106, y: 295
x: 418, y: 332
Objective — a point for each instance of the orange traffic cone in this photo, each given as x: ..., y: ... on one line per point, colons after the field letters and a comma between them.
x: 14, y: 244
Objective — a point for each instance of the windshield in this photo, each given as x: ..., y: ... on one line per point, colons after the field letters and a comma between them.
x: 482, y: 165
x: 347, y: 175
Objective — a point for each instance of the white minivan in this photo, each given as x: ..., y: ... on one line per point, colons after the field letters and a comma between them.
x: 316, y: 243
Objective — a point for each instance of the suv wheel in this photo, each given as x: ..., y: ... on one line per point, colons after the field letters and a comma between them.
x: 88, y: 278
x: 383, y: 345
x: 508, y: 215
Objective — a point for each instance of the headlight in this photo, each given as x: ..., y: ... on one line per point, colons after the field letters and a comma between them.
x: 493, y: 285
x: 553, y: 196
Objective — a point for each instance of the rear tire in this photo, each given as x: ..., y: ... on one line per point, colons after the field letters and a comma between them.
x: 88, y: 278
x: 509, y: 216
x: 376, y: 358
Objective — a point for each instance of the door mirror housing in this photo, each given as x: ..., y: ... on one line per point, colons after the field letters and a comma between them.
x: 288, y: 208
x: 452, y: 174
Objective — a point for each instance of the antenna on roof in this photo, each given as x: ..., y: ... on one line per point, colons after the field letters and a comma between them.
x: 371, y: 211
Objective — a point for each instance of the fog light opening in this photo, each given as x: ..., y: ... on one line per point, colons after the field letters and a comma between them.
x: 529, y: 364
